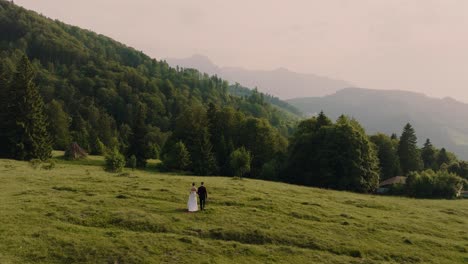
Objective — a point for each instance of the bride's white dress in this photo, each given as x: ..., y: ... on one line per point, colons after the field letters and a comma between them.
x: 192, y: 203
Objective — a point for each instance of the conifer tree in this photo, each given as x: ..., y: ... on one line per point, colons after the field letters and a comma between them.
x: 428, y: 155
x: 137, y: 143
x: 442, y: 157
x: 204, y: 160
x: 28, y: 137
x: 323, y: 120
x: 410, y: 158
x: 4, y: 118
x: 59, y: 125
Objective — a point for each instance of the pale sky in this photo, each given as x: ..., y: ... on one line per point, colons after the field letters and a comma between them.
x: 416, y: 45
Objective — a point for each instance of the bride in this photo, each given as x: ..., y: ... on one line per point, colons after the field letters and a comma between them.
x: 192, y: 201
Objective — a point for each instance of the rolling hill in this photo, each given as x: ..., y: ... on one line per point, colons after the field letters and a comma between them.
x: 280, y: 82
x: 95, y: 89
x: 78, y: 213
x: 441, y: 120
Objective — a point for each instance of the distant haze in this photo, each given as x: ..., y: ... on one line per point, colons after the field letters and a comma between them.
x: 279, y: 82
x: 416, y: 45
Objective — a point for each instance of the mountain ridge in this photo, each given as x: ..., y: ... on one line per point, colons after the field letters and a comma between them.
x: 268, y: 81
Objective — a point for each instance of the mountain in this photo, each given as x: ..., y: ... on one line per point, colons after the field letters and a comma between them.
x: 387, y: 111
x: 280, y: 82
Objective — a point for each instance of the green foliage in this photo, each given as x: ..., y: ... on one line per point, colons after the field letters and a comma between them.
x: 153, y: 151
x: 132, y: 162
x: 410, y: 157
x: 59, y: 124
x: 338, y: 156
x: 387, y: 154
x: 178, y: 157
x: 123, y: 97
x: 138, y: 146
x: 104, y: 95
x: 203, y: 158
x: 428, y: 155
x: 240, y: 160
x: 26, y: 127
x: 115, y: 161
x: 262, y: 141
x: 271, y: 170
x: 430, y: 184
x: 5, y: 119
x: 443, y: 157
x: 460, y: 168
x: 98, y: 148
x: 240, y: 91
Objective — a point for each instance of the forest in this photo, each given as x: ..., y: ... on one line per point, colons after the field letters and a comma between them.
x: 61, y: 84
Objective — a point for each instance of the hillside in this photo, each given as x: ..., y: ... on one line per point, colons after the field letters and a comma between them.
x: 280, y: 82
x: 240, y: 91
x: 102, y: 94
x: 441, y: 120
x: 78, y: 213
x: 81, y: 70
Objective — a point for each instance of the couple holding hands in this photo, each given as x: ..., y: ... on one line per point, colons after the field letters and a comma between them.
x: 202, y: 195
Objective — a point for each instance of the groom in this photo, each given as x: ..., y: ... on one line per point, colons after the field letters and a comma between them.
x: 202, y: 194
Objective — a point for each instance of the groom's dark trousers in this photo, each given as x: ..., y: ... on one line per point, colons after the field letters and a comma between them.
x: 202, y: 203
x: 202, y: 194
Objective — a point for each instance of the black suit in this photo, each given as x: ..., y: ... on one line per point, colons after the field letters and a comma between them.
x: 202, y: 194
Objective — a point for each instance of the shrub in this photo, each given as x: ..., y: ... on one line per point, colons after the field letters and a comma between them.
x: 240, y: 161
x: 154, y: 151
x: 132, y: 162
x: 99, y: 148
x: 114, y: 161
x: 430, y: 184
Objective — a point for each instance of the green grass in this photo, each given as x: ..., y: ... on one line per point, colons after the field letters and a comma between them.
x: 78, y: 213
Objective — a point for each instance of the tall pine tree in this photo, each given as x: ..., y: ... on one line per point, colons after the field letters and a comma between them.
x: 28, y: 137
x: 138, y: 145
x: 59, y: 125
x: 428, y: 155
x: 442, y: 157
x: 410, y: 158
x: 5, y: 119
x: 203, y: 158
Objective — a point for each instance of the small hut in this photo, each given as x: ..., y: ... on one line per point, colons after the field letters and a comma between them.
x: 385, y: 186
x: 75, y: 152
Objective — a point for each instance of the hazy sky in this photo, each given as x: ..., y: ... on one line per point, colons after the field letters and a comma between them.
x: 417, y: 45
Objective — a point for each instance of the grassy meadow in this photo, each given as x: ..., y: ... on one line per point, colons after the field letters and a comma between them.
x: 78, y: 213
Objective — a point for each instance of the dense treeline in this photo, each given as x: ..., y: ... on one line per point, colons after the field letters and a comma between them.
x: 332, y: 155
x: 60, y: 84
x: 239, y: 90
x: 341, y: 156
